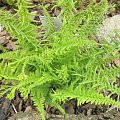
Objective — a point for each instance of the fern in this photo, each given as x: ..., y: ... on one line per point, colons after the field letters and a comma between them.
x: 10, y: 2
x: 70, y: 64
x: 83, y: 95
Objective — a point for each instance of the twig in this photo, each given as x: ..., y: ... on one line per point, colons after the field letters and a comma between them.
x: 111, y: 108
x: 14, y: 108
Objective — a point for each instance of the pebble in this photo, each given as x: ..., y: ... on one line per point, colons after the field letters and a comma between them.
x: 28, y: 109
x: 26, y: 116
x: 57, y: 22
x: 110, y: 30
x: 2, y: 115
x: 1, y: 28
x: 2, y: 39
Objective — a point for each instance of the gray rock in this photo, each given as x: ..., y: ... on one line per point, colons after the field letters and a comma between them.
x: 2, y: 115
x: 26, y: 116
x: 57, y: 22
x: 110, y: 30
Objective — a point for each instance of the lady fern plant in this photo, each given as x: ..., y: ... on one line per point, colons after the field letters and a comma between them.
x: 70, y: 64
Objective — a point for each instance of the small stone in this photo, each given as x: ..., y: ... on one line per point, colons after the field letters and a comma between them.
x: 26, y: 116
x: 93, y: 117
x: 3, y: 33
x: 20, y: 106
x: 2, y: 39
x: 6, y: 106
x: 56, y: 12
x: 11, y: 46
x: 70, y: 110
x: 110, y: 29
x: 8, y: 37
x: 69, y: 107
x: 117, y: 62
x: 28, y: 109
x: 2, y: 115
x: 33, y: 13
x: 89, y: 112
x: 57, y: 22
x: 1, y: 28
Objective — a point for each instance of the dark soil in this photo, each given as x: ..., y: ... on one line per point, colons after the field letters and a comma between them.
x: 112, y: 115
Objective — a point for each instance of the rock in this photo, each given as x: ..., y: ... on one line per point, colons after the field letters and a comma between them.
x: 2, y: 115
x: 89, y: 112
x: 57, y: 22
x: 56, y: 11
x: 33, y: 13
x: 2, y: 39
x: 26, y: 116
x: 3, y: 33
x: 69, y: 107
x: 117, y: 62
x: 93, y: 117
x: 6, y: 106
x: 1, y: 28
x: 11, y: 46
x: 110, y: 29
x: 28, y: 109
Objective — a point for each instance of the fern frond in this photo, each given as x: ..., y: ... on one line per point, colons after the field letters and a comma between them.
x: 24, y: 31
x: 83, y: 95
x: 10, y: 55
x: 10, y: 2
x: 39, y: 100
x: 55, y: 104
x: 67, y: 7
x: 86, y: 20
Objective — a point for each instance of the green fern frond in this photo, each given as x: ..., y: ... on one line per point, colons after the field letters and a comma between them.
x: 39, y: 100
x: 10, y: 55
x: 86, y: 20
x: 24, y: 31
x: 83, y: 95
x: 55, y: 104
x: 67, y: 7
x: 10, y: 2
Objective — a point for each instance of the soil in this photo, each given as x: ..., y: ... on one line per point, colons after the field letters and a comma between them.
x: 112, y: 115
x: 21, y: 109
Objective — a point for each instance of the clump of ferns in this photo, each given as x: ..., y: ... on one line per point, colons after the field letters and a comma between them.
x: 70, y: 65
